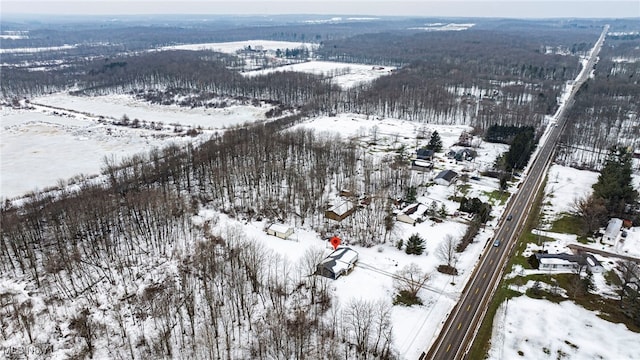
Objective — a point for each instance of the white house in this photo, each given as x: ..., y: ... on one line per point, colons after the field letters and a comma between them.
x: 612, y: 231
x: 568, y: 262
x: 445, y: 177
x: 340, y: 262
x: 559, y: 262
x: 280, y: 230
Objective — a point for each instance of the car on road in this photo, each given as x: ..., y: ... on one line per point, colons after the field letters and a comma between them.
x: 496, y: 243
x: 509, y: 217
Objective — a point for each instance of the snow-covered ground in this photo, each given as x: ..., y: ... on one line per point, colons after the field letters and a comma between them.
x: 41, y: 146
x: 564, y: 186
x: 235, y: 46
x: 527, y: 328
x: 115, y: 106
x: 413, y: 327
x: 38, y: 147
x: 343, y: 74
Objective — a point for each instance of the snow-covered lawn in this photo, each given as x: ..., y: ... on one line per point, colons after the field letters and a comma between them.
x: 564, y: 186
x: 526, y: 328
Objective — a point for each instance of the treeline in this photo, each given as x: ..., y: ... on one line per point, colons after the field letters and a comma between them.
x: 606, y: 109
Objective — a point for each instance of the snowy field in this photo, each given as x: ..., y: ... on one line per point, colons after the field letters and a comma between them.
x: 235, y: 46
x: 42, y: 146
x: 39, y: 149
x: 343, y: 74
x: 115, y: 106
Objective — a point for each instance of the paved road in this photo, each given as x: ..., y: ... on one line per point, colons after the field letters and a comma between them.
x: 462, y: 324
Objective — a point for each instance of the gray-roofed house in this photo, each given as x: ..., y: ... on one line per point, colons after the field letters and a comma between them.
x: 560, y: 262
x: 340, y: 262
x: 424, y: 154
x: 445, y: 177
x: 568, y: 262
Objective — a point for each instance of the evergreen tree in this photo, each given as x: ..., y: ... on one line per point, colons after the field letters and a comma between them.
x: 520, y: 150
x: 443, y: 211
x: 435, y: 143
x: 410, y: 197
x: 614, y: 184
x: 415, y: 245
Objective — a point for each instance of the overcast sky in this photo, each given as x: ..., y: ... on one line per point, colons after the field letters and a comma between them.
x: 449, y: 8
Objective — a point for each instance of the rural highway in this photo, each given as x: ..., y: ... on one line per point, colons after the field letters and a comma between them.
x: 459, y: 329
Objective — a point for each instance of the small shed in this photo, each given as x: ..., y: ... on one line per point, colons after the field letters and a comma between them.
x: 341, y: 211
x: 339, y: 262
x: 613, y: 230
x: 445, y: 177
x: 280, y: 230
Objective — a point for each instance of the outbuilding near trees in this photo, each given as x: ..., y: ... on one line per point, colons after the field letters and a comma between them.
x: 280, y: 230
x: 341, y: 211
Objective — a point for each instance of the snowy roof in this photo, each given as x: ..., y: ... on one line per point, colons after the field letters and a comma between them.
x: 340, y: 260
x: 281, y: 228
x: 447, y: 175
x: 422, y: 163
x: 343, y: 208
x: 414, y: 211
x: 561, y: 258
x: 613, y: 228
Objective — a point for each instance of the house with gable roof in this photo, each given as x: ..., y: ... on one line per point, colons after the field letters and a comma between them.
x: 446, y: 177
x: 339, y: 262
x: 412, y: 213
